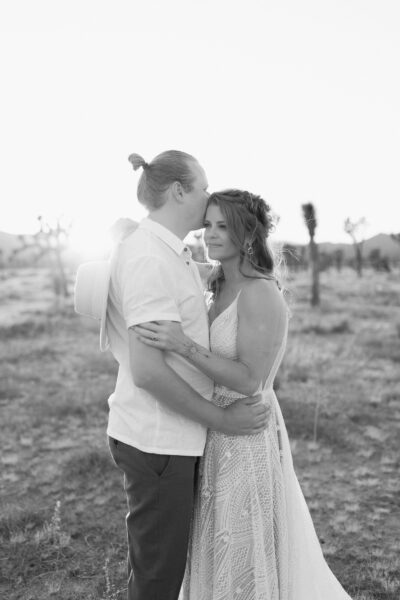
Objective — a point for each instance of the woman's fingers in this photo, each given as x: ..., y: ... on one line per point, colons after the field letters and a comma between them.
x: 254, y: 399
x: 153, y: 341
x: 147, y: 340
x: 147, y: 333
x: 148, y: 327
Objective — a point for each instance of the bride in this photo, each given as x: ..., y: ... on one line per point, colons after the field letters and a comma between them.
x: 252, y: 535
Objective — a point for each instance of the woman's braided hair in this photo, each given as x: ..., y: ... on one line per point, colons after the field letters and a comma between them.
x: 249, y: 222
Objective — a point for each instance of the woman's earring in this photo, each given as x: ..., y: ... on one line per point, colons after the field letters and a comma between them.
x: 250, y: 250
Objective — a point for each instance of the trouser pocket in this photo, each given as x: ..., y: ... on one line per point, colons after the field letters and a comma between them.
x: 159, y: 463
x: 123, y: 454
x: 113, y: 446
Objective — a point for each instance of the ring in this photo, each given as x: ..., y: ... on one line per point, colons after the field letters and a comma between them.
x: 154, y: 339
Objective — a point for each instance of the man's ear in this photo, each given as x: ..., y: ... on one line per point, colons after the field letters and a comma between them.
x: 177, y: 191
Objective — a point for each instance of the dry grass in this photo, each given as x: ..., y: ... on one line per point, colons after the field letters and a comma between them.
x: 62, y: 503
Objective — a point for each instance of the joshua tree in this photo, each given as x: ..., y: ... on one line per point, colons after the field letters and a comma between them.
x: 303, y: 257
x: 353, y: 229
x: 49, y: 241
x: 338, y: 259
x: 310, y: 219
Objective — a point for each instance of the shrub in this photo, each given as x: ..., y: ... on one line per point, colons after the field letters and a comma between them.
x: 340, y: 327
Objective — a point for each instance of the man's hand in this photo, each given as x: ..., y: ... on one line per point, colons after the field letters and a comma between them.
x: 247, y: 416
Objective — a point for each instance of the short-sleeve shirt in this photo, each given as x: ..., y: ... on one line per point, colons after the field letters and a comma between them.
x: 154, y: 278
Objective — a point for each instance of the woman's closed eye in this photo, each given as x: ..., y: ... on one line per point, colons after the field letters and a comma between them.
x: 207, y: 225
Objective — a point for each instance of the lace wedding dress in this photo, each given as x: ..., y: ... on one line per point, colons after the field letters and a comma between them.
x: 252, y: 535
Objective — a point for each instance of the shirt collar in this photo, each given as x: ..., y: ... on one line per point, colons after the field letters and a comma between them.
x: 164, y: 234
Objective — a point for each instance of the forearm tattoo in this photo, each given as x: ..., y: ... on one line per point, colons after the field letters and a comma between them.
x: 191, y: 349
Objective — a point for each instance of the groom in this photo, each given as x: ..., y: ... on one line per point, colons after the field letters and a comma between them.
x: 160, y: 409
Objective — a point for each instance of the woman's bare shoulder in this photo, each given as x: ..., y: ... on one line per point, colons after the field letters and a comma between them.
x: 260, y: 296
x: 253, y: 287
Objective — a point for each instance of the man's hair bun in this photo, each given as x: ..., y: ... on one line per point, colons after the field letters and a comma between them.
x: 137, y: 161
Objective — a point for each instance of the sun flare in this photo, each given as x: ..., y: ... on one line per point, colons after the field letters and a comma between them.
x: 90, y: 242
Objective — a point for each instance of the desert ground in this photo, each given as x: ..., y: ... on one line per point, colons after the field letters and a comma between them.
x: 62, y: 532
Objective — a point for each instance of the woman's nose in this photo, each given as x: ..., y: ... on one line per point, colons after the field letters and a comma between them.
x: 211, y: 233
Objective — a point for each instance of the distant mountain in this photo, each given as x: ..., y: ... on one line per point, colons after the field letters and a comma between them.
x: 382, y: 242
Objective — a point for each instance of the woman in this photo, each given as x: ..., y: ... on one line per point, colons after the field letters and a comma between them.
x: 252, y: 535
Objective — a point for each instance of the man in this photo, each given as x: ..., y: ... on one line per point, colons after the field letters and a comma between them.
x: 161, y: 408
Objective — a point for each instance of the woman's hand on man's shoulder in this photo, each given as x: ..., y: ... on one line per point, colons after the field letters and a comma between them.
x: 122, y: 228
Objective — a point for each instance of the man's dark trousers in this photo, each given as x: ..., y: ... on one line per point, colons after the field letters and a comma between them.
x: 160, y: 490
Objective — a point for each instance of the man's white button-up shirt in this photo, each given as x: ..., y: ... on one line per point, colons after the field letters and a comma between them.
x: 154, y: 278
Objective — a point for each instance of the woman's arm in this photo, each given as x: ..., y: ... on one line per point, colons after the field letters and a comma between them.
x: 261, y: 327
x: 150, y: 372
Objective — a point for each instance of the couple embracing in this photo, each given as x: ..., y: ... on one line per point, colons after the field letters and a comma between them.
x: 215, y: 511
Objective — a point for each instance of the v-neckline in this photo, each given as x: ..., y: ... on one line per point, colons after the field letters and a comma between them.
x: 225, y: 309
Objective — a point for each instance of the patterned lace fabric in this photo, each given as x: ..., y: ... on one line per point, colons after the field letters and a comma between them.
x: 252, y: 536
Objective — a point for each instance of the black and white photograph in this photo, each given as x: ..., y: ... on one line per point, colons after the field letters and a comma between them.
x: 200, y: 300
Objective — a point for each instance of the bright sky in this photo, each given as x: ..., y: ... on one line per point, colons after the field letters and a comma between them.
x: 298, y: 101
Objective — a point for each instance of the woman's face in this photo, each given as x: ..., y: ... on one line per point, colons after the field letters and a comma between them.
x: 216, y: 237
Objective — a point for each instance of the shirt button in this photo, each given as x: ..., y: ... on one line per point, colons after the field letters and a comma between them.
x: 187, y: 262
x: 185, y: 249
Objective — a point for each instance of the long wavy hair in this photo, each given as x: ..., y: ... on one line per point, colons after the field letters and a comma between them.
x: 249, y: 222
